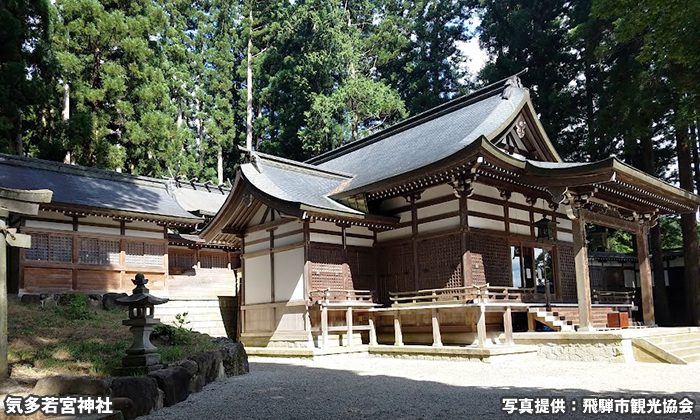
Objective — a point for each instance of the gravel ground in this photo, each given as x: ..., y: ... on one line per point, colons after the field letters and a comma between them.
x: 385, y: 388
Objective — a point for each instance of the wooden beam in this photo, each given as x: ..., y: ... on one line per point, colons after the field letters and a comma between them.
x: 348, y: 322
x: 609, y: 221
x: 645, y: 277
x: 583, y: 281
x: 324, y: 326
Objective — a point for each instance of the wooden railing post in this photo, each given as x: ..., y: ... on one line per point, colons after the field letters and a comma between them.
x: 398, y: 337
x: 508, y: 326
x: 437, y: 339
x: 324, y: 325
x: 372, y: 331
x: 348, y: 320
x: 481, y: 326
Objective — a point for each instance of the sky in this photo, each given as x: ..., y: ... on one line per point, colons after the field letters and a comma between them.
x: 476, y: 57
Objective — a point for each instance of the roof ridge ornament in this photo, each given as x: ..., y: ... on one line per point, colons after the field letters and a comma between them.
x: 511, y: 84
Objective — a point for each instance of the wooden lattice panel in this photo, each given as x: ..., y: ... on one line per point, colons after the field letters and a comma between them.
x: 597, y: 278
x: 439, y: 263
x: 181, y: 260
x: 214, y: 261
x: 144, y: 254
x: 326, y: 266
x: 395, y: 269
x: 361, y: 266
x: 490, y: 260
x: 40, y: 248
x: 61, y: 248
x: 98, y: 251
x: 567, y: 273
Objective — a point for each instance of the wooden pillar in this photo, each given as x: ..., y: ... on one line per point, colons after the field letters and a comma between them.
x: 414, y: 239
x: 583, y: 281
x: 437, y: 339
x: 348, y: 321
x: 398, y: 337
x: 324, y: 326
x: 645, y: 275
x: 481, y: 326
x: 4, y: 372
x: 372, y: 331
x: 508, y: 326
x: 464, y: 241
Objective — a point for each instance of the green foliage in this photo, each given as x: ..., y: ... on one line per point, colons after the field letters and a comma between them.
x: 173, y: 336
x: 75, y: 308
x: 181, y: 321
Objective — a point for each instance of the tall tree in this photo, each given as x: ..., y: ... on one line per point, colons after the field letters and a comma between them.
x: 24, y: 59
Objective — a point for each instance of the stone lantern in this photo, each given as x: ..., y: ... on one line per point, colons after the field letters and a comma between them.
x: 545, y: 228
x: 141, y: 356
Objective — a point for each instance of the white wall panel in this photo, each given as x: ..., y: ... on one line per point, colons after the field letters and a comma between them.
x: 289, y: 275
x: 257, y: 280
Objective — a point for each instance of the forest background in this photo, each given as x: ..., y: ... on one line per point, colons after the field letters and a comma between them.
x: 175, y: 88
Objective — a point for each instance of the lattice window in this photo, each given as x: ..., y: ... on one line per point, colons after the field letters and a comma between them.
x: 40, y: 248
x: 98, y: 251
x: 439, y: 263
x: 144, y: 254
x: 214, y: 261
x: 490, y: 260
x: 361, y: 266
x: 57, y: 248
x: 61, y: 248
x: 326, y: 267
x: 395, y: 269
x: 181, y: 260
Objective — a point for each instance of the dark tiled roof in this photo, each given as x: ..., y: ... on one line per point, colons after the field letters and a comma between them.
x: 94, y: 188
x: 295, y: 183
x: 425, y: 139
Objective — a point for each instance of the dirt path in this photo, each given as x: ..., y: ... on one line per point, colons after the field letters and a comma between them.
x: 379, y: 388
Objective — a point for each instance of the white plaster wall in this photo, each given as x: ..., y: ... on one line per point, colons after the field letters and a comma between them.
x: 257, y: 280
x: 326, y: 226
x: 486, y: 190
x: 100, y: 229
x: 48, y: 225
x: 519, y: 229
x: 258, y: 216
x: 359, y: 241
x: 289, y: 275
x: 289, y: 240
x: 565, y: 237
x: 259, y: 246
x: 439, y: 225
x: 564, y: 223
x: 251, y: 237
x: 442, y: 208
x: 437, y: 191
x: 488, y: 208
x: 143, y: 234
x: 519, y: 214
x: 359, y: 230
x: 328, y: 239
x: 394, y: 234
x: 480, y: 222
x: 288, y: 227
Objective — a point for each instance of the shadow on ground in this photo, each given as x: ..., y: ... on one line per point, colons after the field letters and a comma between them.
x: 294, y: 391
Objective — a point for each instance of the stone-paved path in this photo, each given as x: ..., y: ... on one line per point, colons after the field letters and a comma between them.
x: 382, y: 388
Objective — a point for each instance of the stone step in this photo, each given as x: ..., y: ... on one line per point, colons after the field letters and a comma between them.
x: 672, y: 345
x: 692, y: 358
x: 688, y: 351
x: 674, y: 338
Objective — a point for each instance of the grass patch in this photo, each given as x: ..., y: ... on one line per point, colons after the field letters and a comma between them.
x: 74, y: 339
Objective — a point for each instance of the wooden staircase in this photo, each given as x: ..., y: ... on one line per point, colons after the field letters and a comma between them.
x: 565, y: 318
x: 549, y: 318
x: 680, y: 348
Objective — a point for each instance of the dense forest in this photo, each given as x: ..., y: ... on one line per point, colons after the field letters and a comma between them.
x: 160, y: 87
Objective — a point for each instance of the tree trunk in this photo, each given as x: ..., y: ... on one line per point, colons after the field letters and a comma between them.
x: 691, y: 253
x: 220, y: 164
x: 249, y: 86
x: 694, y: 146
x: 661, y: 308
x: 65, y: 116
x: 19, y: 144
